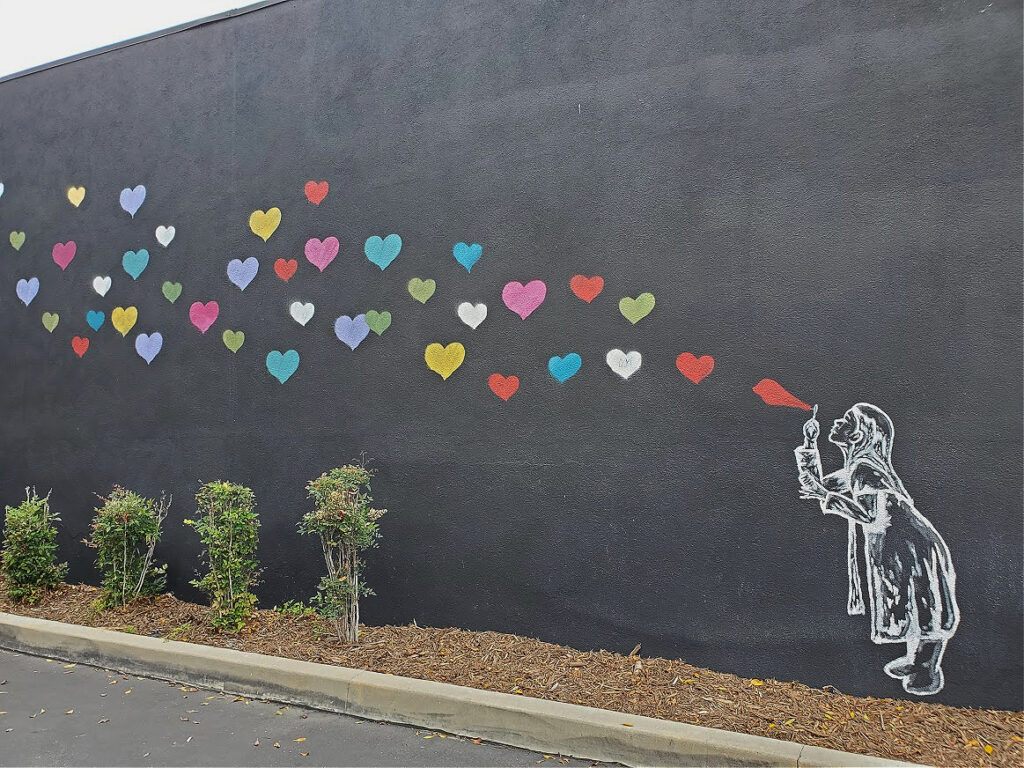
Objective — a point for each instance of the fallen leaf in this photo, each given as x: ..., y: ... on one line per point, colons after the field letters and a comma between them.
x: 69, y: 666
x: 475, y: 741
x: 628, y: 725
x: 70, y: 712
x: 128, y: 692
x: 238, y: 698
x: 304, y: 754
x: 277, y: 745
x: 300, y: 739
x: 790, y: 721
x: 188, y: 739
x: 104, y: 720
x: 989, y: 749
x: 755, y: 681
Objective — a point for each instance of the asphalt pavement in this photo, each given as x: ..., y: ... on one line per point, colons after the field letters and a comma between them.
x: 60, y: 714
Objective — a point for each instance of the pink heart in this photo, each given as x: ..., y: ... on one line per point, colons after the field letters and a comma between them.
x: 63, y: 253
x: 523, y: 299
x: 203, y: 315
x: 321, y: 253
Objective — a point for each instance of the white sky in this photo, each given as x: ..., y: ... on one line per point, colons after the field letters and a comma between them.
x: 39, y: 31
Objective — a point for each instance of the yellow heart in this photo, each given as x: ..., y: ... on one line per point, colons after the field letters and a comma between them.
x: 444, y: 360
x: 124, y: 319
x: 265, y: 224
x: 76, y: 195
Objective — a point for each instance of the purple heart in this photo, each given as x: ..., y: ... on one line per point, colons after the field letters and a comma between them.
x: 132, y: 199
x: 351, y: 331
x: 27, y: 289
x: 241, y: 273
x: 149, y: 345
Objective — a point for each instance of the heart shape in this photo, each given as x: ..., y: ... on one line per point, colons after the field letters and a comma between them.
x: 320, y: 253
x: 382, y: 251
x: 472, y: 315
x: 1, y: 189
x: 76, y: 195
x: 241, y: 273
x: 301, y: 313
x: 316, y: 191
x: 774, y: 393
x: 17, y: 240
x: 164, y: 235
x: 63, y: 253
x: 695, y: 368
x: 636, y: 309
x: 27, y: 289
x: 421, y: 290
x: 124, y: 319
x: 282, y: 365
x: 203, y: 315
x: 564, y: 368
x: 233, y: 340
x: 135, y: 262
x: 444, y: 360
x: 101, y: 284
x: 264, y: 224
x: 171, y: 291
x: 524, y: 299
x: 50, y: 320
x: 625, y: 364
x: 503, y: 386
x: 587, y: 288
x: 351, y: 330
x: 132, y: 199
x: 378, y: 321
x: 80, y: 344
x: 285, y: 268
x: 95, y: 319
x: 467, y: 255
x: 149, y: 346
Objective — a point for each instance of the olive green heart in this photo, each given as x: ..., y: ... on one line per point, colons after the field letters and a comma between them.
x: 17, y: 240
x: 378, y: 321
x: 636, y: 309
x: 50, y: 320
x: 171, y: 291
x: 233, y: 340
x: 421, y: 290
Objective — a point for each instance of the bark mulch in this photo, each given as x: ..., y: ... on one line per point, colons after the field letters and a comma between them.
x: 933, y: 734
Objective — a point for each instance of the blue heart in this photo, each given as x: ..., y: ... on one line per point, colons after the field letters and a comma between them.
x: 564, y: 368
x: 135, y: 263
x: 351, y: 330
x: 382, y: 251
x: 282, y: 366
x: 467, y: 255
x: 27, y: 289
x: 95, y: 319
x: 241, y: 273
x: 149, y: 346
x: 132, y: 199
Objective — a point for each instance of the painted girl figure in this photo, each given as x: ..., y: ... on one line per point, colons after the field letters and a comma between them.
x: 911, y: 584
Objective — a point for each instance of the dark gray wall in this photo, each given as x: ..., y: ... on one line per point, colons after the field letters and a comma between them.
x: 823, y: 193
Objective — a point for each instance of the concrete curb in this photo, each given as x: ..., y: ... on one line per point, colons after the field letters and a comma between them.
x: 518, y: 721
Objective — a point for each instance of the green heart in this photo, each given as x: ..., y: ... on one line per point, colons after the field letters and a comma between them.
x: 50, y: 320
x: 233, y: 340
x: 421, y: 290
x: 171, y: 291
x: 636, y: 309
x: 379, y: 321
x: 17, y: 240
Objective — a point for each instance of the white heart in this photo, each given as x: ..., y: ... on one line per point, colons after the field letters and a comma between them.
x: 164, y: 235
x: 472, y: 315
x: 300, y: 312
x: 623, y: 363
x: 1, y: 189
x: 101, y: 285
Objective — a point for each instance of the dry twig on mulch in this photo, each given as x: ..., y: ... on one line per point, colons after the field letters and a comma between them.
x: 915, y: 731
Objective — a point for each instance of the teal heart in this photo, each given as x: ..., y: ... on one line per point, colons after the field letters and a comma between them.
x: 564, y: 368
x: 95, y: 319
x: 382, y: 251
x: 282, y: 365
x: 467, y: 255
x: 135, y: 262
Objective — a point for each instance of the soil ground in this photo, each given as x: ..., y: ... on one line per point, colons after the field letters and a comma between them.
x: 933, y: 734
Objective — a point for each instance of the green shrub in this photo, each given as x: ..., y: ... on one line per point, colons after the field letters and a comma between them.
x: 347, y: 525
x: 229, y: 528
x: 29, y: 560
x: 124, y: 534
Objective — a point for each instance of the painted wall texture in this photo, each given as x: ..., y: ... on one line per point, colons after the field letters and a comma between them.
x: 823, y: 195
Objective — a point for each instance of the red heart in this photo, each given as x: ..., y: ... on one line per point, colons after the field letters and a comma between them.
x: 316, y: 191
x: 80, y: 345
x: 587, y: 288
x: 285, y: 268
x: 503, y: 387
x: 695, y: 368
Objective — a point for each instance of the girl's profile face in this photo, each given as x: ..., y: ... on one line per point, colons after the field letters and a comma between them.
x: 845, y: 431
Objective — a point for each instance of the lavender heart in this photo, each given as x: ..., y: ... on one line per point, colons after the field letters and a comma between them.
x: 27, y: 289
x: 132, y: 199
x: 148, y: 346
x: 241, y: 273
x: 351, y: 330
